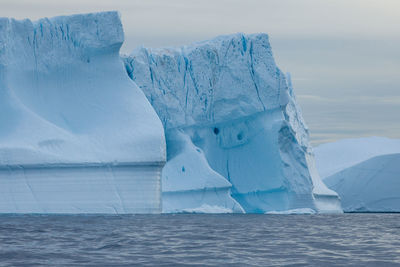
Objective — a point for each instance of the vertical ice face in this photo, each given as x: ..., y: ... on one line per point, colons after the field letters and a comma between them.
x: 235, y: 106
x: 69, y: 111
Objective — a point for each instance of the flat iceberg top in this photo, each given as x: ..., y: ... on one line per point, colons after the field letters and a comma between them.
x: 208, y: 82
x: 65, y: 96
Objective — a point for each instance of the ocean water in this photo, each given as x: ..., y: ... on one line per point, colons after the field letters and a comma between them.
x: 202, y: 240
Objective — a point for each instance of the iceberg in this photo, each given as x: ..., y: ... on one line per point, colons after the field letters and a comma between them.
x: 76, y: 134
x: 363, y: 171
x: 336, y: 156
x: 235, y: 135
x: 370, y: 186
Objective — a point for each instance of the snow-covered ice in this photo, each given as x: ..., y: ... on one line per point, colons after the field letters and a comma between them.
x: 230, y: 113
x: 372, y: 185
x: 76, y: 134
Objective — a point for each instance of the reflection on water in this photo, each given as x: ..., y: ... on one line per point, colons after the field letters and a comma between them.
x: 207, y: 240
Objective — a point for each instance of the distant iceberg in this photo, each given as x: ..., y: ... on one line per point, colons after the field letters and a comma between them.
x: 363, y: 171
x: 76, y: 134
x: 235, y: 134
x: 370, y: 186
x: 336, y: 156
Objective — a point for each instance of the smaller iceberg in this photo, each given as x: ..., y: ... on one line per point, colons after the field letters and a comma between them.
x: 370, y: 186
x: 363, y: 171
x: 333, y: 157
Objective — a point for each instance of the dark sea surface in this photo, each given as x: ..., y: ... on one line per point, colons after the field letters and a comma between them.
x: 202, y: 240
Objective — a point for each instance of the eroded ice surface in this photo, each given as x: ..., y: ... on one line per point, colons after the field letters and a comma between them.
x: 229, y: 112
x: 372, y: 185
x: 66, y: 103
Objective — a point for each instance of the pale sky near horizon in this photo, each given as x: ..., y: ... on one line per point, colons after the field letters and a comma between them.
x: 344, y: 55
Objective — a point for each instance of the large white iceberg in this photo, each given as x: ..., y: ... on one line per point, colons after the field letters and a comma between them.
x: 76, y: 134
x: 370, y: 186
x: 230, y: 113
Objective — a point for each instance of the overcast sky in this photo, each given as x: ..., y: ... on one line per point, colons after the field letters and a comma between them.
x: 344, y: 55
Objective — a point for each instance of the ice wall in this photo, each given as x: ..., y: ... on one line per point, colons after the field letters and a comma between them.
x: 236, y: 108
x: 66, y: 103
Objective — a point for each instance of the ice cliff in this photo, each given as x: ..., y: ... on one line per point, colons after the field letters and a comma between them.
x: 76, y: 134
x: 232, y: 125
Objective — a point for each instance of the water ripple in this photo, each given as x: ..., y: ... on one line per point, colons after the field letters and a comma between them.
x: 203, y: 240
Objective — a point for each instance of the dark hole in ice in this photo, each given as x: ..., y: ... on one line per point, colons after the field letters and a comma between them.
x: 240, y: 136
x: 183, y: 168
x: 216, y: 130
